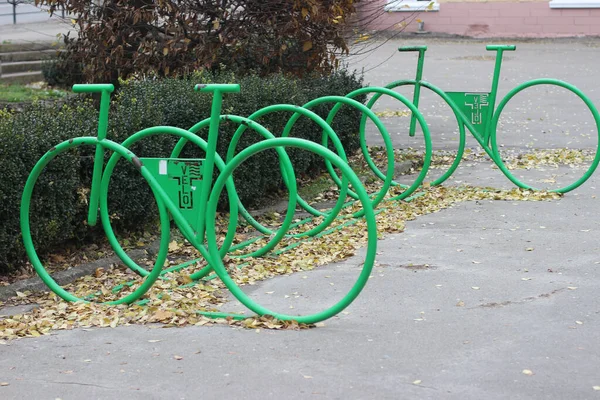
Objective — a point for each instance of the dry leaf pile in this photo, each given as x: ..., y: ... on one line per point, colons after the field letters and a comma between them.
x: 512, y: 158
x: 175, y: 300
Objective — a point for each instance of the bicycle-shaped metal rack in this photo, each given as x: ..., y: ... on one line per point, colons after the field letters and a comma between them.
x: 479, y: 114
x: 184, y: 193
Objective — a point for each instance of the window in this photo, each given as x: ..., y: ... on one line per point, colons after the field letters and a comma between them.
x: 575, y: 4
x: 414, y: 5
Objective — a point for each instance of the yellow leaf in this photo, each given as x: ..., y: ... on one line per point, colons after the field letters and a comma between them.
x: 527, y: 372
x: 173, y: 246
x: 307, y: 45
x: 304, y: 12
x: 165, y: 51
x: 216, y: 24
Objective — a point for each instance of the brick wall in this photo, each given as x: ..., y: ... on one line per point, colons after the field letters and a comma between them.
x: 512, y: 18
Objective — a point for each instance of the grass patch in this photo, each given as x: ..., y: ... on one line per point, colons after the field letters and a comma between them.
x: 17, y: 93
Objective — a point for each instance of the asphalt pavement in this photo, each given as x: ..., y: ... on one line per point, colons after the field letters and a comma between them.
x: 484, y: 300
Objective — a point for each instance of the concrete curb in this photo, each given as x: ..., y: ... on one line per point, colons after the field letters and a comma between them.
x: 390, y: 35
x: 69, y: 275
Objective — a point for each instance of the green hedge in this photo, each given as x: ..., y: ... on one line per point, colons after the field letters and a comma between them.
x: 59, y: 204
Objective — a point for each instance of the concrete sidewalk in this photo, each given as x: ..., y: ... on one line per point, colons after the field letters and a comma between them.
x: 38, y: 32
x: 485, y: 300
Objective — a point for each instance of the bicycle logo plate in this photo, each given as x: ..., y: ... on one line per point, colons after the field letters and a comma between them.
x: 475, y: 106
x: 180, y: 178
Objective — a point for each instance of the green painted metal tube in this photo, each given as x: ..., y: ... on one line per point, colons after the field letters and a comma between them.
x: 145, y: 133
x: 99, y: 153
x: 332, y: 214
x: 26, y: 229
x: 459, y: 121
x: 217, y: 263
x: 388, y: 177
x: 285, y: 164
x: 494, y: 124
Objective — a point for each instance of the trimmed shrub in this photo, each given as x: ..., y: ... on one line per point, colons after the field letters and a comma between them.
x: 63, y: 71
x: 60, y: 197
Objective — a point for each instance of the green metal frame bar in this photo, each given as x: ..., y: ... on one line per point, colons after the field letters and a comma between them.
x: 204, y: 228
x: 487, y: 140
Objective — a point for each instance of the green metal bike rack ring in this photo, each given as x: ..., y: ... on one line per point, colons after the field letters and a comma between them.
x: 477, y: 112
x: 494, y: 145
x: 217, y: 263
x: 198, y: 227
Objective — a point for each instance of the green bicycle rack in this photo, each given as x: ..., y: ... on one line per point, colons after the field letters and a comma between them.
x: 183, y: 192
x: 477, y: 112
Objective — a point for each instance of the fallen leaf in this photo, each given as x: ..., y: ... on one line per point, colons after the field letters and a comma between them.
x: 178, y: 358
x: 527, y: 372
x: 460, y: 304
x: 579, y: 322
x: 475, y: 287
x: 4, y: 383
x: 154, y: 340
x: 417, y: 382
x: 596, y: 387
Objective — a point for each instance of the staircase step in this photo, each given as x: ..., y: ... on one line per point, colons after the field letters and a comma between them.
x: 21, y: 66
x: 19, y: 47
x: 34, y: 55
x: 22, y: 77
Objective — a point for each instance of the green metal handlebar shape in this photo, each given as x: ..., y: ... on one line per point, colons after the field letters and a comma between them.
x: 412, y: 48
x: 94, y: 88
x: 218, y: 87
x: 501, y: 47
